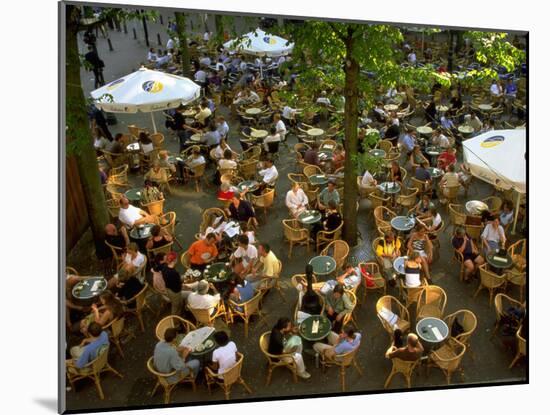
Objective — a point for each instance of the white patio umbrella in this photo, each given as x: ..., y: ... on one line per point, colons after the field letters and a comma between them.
x: 146, y: 91
x: 498, y: 157
x: 260, y: 43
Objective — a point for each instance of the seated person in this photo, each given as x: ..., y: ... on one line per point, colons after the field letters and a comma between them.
x: 417, y: 158
x: 247, y: 252
x: 273, y: 137
x: 368, y: 181
x: 423, y: 207
x: 446, y: 158
x: 224, y: 356
x: 296, y: 200
x: 493, y: 236
x: 506, y: 216
x: 127, y: 286
x: 226, y: 192
x: 350, y: 279
x: 413, y: 268
x: 115, y: 237
x: 242, y: 291
x: 283, y: 340
x: 194, y: 160
x: 388, y: 249
x: 439, y: 139
x: 89, y: 348
x: 311, y: 156
x: 202, y: 300
x: 338, y: 158
x: 203, y: 252
x: 227, y: 161
x: 331, y: 221
x: 219, y: 151
x: 150, y: 193
x: 115, y: 146
x: 133, y: 259
x: 394, y: 174
x: 164, y: 163
x: 145, y: 143
x: 132, y: 216
x: 109, y: 310
x: 433, y: 221
x: 449, y: 179
x: 467, y: 247
x: 156, y: 174
x: 266, y: 268
x: 327, y: 194
x: 338, y: 344
x: 411, y: 352
x: 422, y: 173
x: 241, y: 210
x: 420, y: 242
x: 337, y: 305
x: 212, y: 137
x: 203, y: 114
x: 169, y: 356
x: 269, y: 175
x: 159, y: 237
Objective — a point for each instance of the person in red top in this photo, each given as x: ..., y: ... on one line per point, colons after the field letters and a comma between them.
x: 446, y: 158
x: 203, y: 252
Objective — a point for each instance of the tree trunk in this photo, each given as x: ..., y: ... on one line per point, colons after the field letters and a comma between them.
x: 451, y: 52
x: 350, y: 131
x: 79, y: 135
x: 184, y: 47
x: 145, y: 29
x: 219, y: 27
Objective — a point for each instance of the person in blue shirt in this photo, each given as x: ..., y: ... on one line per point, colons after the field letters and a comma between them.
x: 409, y: 141
x: 242, y: 292
x: 89, y: 348
x: 338, y: 345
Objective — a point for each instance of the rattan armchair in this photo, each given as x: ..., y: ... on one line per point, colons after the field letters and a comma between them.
x: 448, y: 357
x: 310, y: 170
x: 227, y: 379
x: 155, y: 208
x: 378, y: 281
x: 431, y: 302
x: 411, y: 294
x: 521, y: 348
x: 325, y: 237
x: 339, y: 250
x: 489, y: 280
x: 457, y: 215
x: 141, y: 304
x: 377, y: 200
x: 405, y: 367
x: 494, y: 203
x: 204, y: 317
x: 162, y: 380
x: 246, y: 310
x: 467, y: 319
x: 392, y: 304
x: 175, y: 322
x: 116, y: 329
x: 295, y: 234
x: 502, y: 303
x: 283, y: 360
x: 343, y: 361
x: 264, y: 201
x: 247, y: 169
x: 383, y: 216
x: 407, y: 198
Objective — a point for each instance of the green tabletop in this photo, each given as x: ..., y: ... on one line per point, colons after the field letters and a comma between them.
x: 134, y: 195
x: 141, y: 231
x: 306, y: 326
x: 435, y: 172
x: 499, y: 261
x: 429, y: 326
x: 83, y: 289
x: 376, y: 152
x: 309, y: 217
x: 323, y: 265
x: 250, y: 185
x: 217, y: 272
x: 318, y: 179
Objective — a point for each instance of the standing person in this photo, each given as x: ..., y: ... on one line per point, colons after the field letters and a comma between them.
x: 283, y: 340
x: 172, y: 282
x: 96, y: 117
x: 97, y: 66
x: 169, y: 357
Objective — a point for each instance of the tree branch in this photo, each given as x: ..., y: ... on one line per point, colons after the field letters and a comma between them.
x: 337, y: 32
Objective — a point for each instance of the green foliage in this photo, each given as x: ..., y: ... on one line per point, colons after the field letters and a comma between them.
x: 494, y: 48
x: 366, y: 161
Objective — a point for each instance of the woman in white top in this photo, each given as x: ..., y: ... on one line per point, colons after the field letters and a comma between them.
x: 145, y: 143
x: 227, y: 162
x: 296, y: 200
x: 133, y: 259
x: 367, y: 181
x: 413, y: 268
x: 434, y: 219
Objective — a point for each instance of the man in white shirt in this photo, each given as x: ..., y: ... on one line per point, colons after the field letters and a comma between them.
x: 280, y: 126
x: 201, y: 300
x: 254, y: 97
x: 296, y: 200
x: 223, y: 127
x: 131, y: 216
x: 289, y: 113
x: 269, y: 174
x: 247, y: 252
x: 200, y: 76
x: 493, y: 236
x: 439, y: 139
x: 206, y: 36
x: 495, y: 89
x: 273, y: 137
x: 225, y: 356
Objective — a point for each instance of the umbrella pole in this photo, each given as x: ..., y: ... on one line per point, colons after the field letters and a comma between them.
x: 516, y: 213
x: 153, y: 120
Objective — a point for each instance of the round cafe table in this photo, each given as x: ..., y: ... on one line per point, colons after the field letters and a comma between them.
x: 315, y: 132
x: 253, y: 111
x: 465, y: 129
x: 306, y: 326
x: 258, y: 133
x: 203, y: 351
x: 250, y: 185
x: 432, y: 332
x: 499, y: 262
x: 133, y: 147
x: 434, y: 172
x: 391, y: 107
x: 325, y: 155
x: 390, y: 188
x: 318, y: 179
x: 475, y: 207
x: 433, y: 152
x: 196, y: 138
x: 402, y: 223
x: 217, y: 272
x: 376, y: 152
x: 309, y: 217
x: 90, y: 288
x: 140, y: 234
x: 323, y: 265
x: 189, y: 112
x: 424, y: 130
x: 399, y: 264
x: 133, y: 195
x: 485, y: 107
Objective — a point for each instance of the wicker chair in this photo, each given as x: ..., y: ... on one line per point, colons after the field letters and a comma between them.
x: 198, y: 174
x: 207, y: 215
x: 274, y: 361
x: 246, y: 310
x: 117, y: 254
x: 119, y: 176
x: 343, y: 361
x: 228, y: 378
x: 253, y: 153
x: 298, y: 178
x: 518, y: 279
x: 518, y: 252
x: 521, y: 348
x: 405, y: 367
x: 113, y: 206
x: 377, y: 200
x: 312, y: 194
x: 265, y: 200
x: 151, y: 253
x: 379, y: 282
x: 450, y: 193
x: 474, y: 231
x: 385, y: 145
x: 340, y: 252
x: 116, y: 329
x: 411, y: 294
x: 168, y: 224
x: 494, y: 203
x: 162, y: 380
x: 457, y: 215
x: 448, y: 357
x: 407, y: 199
x: 155, y: 208
x: 489, y: 280
x: 502, y: 303
x: 247, y: 169
x: 431, y: 302
x: 310, y: 170
x: 392, y: 304
x: 327, y: 144
x: 92, y: 370
x: 71, y: 271
x: 325, y: 237
x: 268, y: 283
x: 467, y: 320
x: 204, y: 317
x: 141, y: 304
x: 295, y: 234
x: 175, y: 322
x: 383, y: 216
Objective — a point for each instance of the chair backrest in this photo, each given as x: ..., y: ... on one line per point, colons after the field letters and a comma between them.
x: 198, y: 171
x: 247, y: 168
x: 113, y: 206
x: 339, y: 250
x: 252, y: 306
x: 117, y: 252
x: 71, y: 271
x: 434, y: 296
x: 152, y: 253
x: 392, y: 304
x: 232, y: 375
x: 518, y: 252
x: 418, y: 184
x: 116, y: 326
x: 265, y: 199
x: 331, y: 235
x: 385, y: 145
x: 157, y: 139
x: 162, y: 378
x: 310, y: 170
x: 208, y: 215
x: 467, y: 320
x: 473, y: 230
x: 293, y: 230
x: 383, y: 215
x: 173, y: 322
x: 155, y: 208
x: 100, y: 361
x: 202, y: 315
x: 489, y: 279
x: 297, y: 178
x: 449, y: 363
x: 377, y: 200
x: 170, y: 222
x: 264, y: 344
x: 457, y: 214
x: 329, y: 144
x: 409, y: 198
